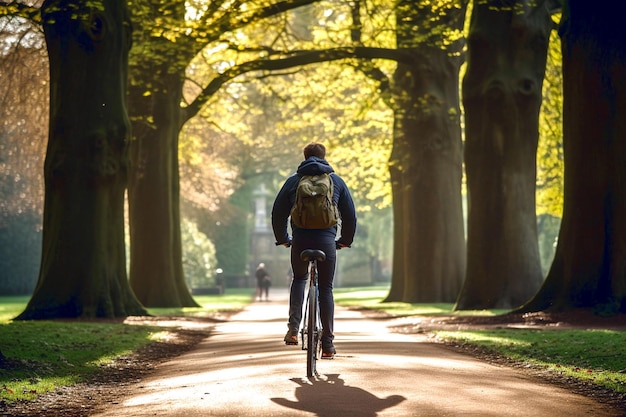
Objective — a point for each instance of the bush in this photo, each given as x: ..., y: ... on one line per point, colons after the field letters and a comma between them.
x: 199, y: 261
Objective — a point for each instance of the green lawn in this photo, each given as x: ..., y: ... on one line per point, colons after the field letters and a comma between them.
x: 44, y: 355
x: 232, y: 299
x: 598, y: 356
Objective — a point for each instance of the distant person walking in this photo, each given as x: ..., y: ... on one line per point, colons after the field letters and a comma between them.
x: 324, y: 239
x: 263, y: 282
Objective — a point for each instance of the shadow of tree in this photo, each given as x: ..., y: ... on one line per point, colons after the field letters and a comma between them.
x: 329, y: 396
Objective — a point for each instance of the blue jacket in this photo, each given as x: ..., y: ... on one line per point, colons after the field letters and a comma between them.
x: 287, y: 196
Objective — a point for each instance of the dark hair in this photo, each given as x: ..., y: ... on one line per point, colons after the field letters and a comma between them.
x: 314, y: 149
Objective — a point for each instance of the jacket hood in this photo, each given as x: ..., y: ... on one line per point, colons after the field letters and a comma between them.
x: 314, y: 166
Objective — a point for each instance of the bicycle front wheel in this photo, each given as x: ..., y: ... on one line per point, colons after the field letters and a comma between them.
x: 313, y: 335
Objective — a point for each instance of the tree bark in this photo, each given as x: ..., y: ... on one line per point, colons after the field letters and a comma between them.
x: 502, y: 97
x: 427, y: 156
x: 83, y: 268
x: 158, y: 68
x: 589, y: 268
x: 156, y: 268
x: 401, y: 247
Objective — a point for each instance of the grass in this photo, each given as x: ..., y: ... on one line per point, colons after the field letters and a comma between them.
x: 232, y: 299
x: 11, y: 307
x: 372, y: 298
x: 45, y: 355
x: 597, y: 356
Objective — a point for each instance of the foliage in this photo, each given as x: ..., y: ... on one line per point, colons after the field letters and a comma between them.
x: 262, y: 125
x: 550, y: 148
x: 592, y: 355
x: 208, y: 174
x: 356, y: 126
x: 231, y: 235
x: 199, y: 260
x: 273, y: 117
x: 374, y: 229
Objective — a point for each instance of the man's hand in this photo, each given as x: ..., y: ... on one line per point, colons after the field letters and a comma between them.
x: 341, y: 245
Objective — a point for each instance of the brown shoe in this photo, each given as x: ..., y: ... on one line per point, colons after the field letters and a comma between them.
x: 328, y: 353
x: 291, y: 338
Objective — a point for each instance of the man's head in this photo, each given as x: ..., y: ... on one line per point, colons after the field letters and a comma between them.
x: 314, y: 149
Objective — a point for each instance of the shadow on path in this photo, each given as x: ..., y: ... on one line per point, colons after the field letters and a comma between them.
x: 329, y: 396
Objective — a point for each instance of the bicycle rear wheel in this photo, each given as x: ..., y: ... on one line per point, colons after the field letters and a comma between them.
x: 313, y: 333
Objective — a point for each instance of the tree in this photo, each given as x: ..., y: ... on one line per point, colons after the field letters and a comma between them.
x: 507, y: 47
x: 83, y: 270
x: 589, y: 269
x: 162, y: 54
x: 156, y: 268
x: 426, y: 159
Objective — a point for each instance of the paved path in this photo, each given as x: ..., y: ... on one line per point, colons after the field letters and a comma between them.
x: 244, y: 369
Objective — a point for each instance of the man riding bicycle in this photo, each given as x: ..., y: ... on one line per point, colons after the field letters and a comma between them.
x: 323, y: 239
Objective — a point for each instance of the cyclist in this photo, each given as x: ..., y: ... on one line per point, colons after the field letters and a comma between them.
x: 324, y: 239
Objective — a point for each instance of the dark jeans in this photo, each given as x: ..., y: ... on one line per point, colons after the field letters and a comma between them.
x: 326, y: 273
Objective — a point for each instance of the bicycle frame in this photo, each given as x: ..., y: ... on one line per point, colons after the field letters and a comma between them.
x: 312, y: 330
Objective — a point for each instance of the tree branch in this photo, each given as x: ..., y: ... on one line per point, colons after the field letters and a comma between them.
x: 272, y: 10
x: 367, y: 68
x: 297, y: 59
x: 236, y: 19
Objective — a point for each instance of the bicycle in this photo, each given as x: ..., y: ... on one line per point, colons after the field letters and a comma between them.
x: 311, y: 331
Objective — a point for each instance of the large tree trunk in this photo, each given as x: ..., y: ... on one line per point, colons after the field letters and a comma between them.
x: 156, y: 268
x: 589, y: 268
x: 428, y: 156
x: 502, y: 97
x: 83, y: 268
x: 401, y: 247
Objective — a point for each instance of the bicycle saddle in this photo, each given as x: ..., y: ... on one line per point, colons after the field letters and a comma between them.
x: 310, y: 254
